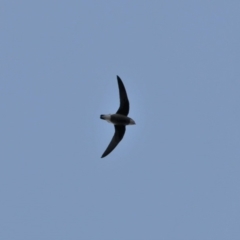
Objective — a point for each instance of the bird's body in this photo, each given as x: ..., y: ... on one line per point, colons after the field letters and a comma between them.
x: 119, y: 119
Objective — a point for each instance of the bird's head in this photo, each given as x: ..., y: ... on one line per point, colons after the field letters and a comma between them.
x: 105, y: 116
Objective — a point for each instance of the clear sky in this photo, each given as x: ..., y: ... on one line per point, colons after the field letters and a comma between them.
x: 175, y: 175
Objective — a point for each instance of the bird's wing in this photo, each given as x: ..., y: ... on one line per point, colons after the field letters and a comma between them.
x: 124, y: 103
x: 117, y: 137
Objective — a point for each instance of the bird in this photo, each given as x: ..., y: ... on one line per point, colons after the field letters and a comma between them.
x: 119, y: 119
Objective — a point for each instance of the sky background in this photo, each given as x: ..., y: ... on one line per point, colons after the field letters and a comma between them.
x: 175, y: 175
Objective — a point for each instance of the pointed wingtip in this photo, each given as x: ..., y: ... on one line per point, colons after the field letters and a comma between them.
x: 120, y: 82
x: 118, y: 78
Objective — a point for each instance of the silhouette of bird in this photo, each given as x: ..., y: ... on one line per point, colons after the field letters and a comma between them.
x: 119, y: 119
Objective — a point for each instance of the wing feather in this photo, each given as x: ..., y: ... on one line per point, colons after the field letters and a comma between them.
x: 124, y: 103
x: 117, y: 137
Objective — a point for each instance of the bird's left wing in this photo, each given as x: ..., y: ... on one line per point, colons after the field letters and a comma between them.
x: 124, y: 103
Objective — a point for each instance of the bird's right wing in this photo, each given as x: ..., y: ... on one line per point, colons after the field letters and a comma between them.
x: 117, y: 137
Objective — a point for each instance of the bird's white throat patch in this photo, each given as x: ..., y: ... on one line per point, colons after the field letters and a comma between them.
x: 107, y: 117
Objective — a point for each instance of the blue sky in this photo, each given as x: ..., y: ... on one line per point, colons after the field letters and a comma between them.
x: 175, y: 175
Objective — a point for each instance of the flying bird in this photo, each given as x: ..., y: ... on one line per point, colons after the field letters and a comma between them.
x: 119, y: 119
